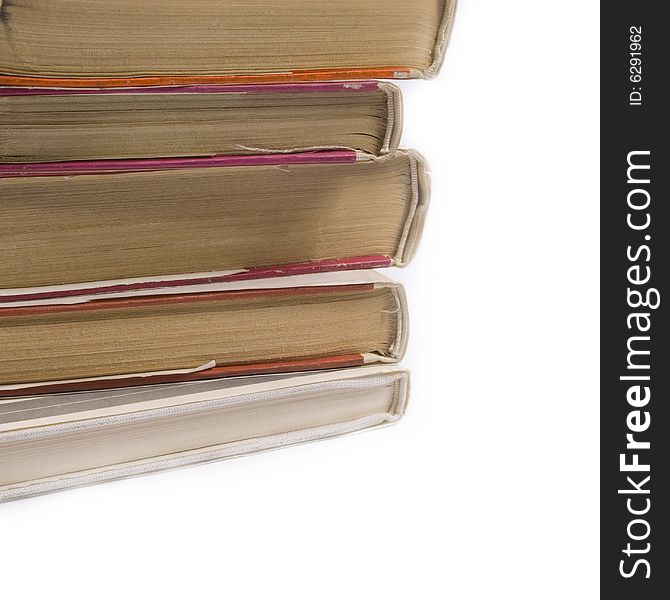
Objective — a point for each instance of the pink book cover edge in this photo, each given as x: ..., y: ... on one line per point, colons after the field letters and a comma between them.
x: 96, y: 167
x: 333, y: 86
x: 304, y: 268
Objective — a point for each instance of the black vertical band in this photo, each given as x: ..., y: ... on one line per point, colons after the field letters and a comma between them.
x: 635, y: 267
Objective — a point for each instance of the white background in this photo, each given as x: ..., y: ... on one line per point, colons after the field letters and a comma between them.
x: 489, y: 488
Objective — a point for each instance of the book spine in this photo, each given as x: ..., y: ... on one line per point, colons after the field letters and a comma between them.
x: 394, y: 118
x: 441, y: 41
x: 420, y: 185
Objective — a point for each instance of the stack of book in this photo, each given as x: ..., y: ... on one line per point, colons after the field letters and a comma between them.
x: 192, y: 199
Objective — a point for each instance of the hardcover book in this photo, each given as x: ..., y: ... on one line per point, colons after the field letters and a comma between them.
x: 100, y: 226
x: 96, y: 43
x: 51, y: 124
x: 52, y: 442
x: 136, y: 337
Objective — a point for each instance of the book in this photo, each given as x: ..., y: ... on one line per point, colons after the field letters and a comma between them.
x: 94, y: 43
x: 137, y: 337
x: 144, y: 223
x: 52, y: 124
x: 53, y: 442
